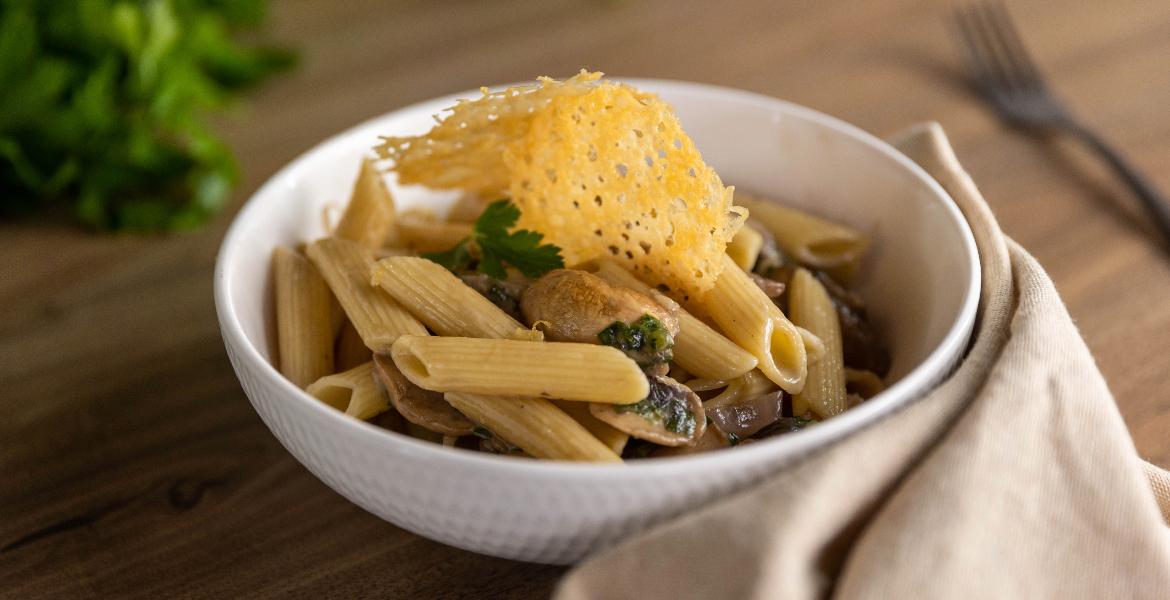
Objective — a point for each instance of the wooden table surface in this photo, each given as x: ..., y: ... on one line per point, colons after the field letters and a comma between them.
x: 133, y: 465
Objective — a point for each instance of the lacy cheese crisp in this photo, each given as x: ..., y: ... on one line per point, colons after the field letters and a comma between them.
x: 600, y: 168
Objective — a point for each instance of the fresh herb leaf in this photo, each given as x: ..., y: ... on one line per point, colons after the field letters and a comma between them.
x: 496, y: 247
x: 646, y: 340
x: 666, y: 404
x: 455, y: 259
x: 104, y: 107
x: 733, y: 439
x: 521, y: 249
x: 786, y: 425
x: 492, y: 442
x: 802, y: 422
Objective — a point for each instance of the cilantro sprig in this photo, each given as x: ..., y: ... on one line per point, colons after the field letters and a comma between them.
x: 495, y: 246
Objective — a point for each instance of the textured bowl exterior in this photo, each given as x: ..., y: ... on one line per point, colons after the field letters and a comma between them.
x: 534, y: 510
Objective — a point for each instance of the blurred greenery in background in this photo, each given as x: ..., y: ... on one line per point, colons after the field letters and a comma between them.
x: 103, y: 106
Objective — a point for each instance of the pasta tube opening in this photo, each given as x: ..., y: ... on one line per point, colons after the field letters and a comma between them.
x: 788, y: 364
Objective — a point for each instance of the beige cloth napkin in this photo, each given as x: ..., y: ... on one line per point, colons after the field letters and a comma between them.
x: 1015, y: 479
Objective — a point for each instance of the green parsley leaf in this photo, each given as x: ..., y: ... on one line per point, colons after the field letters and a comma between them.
x: 455, y: 259
x: 104, y: 107
x: 521, y: 249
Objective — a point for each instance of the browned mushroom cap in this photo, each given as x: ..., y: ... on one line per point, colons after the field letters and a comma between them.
x: 770, y: 256
x: 577, y: 305
x: 746, y: 416
x: 672, y: 415
x: 424, y: 408
x: 772, y: 289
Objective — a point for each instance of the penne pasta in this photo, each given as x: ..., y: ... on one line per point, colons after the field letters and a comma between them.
x: 744, y: 248
x: 752, y: 384
x: 534, y: 425
x: 814, y: 348
x: 567, y: 371
x: 354, y: 392
x: 534, y: 320
x: 753, y: 321
x: 350, y: 350
x: 809, y: 239
x: 424, y: 235
x: 708, y: 385
x: 613, y: 438
x: 467, y: 208
x: 379, y: 320
x: 304, y: 329
x: 698, y: 348
x: 369, y: 217
x: 440, y: 300
x: 865, y: 383
x: 526, y: 335
x: 812, y: 308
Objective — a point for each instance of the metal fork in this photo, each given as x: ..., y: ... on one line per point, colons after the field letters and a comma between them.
x: 1007, y: 77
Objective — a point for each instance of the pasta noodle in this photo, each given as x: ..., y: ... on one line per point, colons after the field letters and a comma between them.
x: 752, y: 384
x: 613, y: 438
x: 814, y: 348
x: 379, y: 320
x: 351, y: 350
x: 744, y: 248
x: 354, y: 391
x: 566, y: 371
x: 304, y: 331
x: 698, y: 348
x: 812, y: 308
x: 440, y: 300
x: 865, y: 382
x: 424, y: 235
x: 810, y: 240
x: 753, y: 321
x: 526, y: 335
x: 548, y: 324
x: 467, y: 209
x: 534, y: 425
x: 369, y: 217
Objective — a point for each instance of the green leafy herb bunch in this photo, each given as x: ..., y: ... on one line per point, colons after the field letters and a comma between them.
x: 103, y: 107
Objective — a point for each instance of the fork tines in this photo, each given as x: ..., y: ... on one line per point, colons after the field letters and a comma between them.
x: 992, y: 48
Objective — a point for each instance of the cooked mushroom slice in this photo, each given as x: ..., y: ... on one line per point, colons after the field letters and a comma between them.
x: 770, y: 257
x: 784, y: 425
x: 771, y: 288
x: 577, y: 306
x: 672, y: 415
x: 746, y: 416
x: 712, y: 439
x: 424, y: 408
x: 493, y: 444
x: 503, y: 293
x: 661, y: 369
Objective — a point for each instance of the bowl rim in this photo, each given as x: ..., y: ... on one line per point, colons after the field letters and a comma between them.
x: 916, y: 384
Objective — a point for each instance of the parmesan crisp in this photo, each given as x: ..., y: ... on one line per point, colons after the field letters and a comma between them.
x: 600, y: 168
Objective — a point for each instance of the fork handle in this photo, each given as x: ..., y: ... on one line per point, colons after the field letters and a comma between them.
x: 1154, y: 202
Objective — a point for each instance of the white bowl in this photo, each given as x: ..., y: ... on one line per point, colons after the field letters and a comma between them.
x: 921, y: 282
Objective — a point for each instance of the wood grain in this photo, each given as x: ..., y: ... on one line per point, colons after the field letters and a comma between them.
x: 132, y: 463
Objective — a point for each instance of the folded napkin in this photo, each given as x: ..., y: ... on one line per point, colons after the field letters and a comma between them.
x: 1014, y: 479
